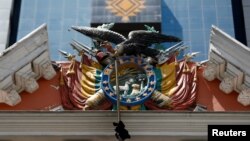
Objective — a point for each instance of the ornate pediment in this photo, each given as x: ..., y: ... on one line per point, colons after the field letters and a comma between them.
x: 22, y: 64
x: 229, y: 62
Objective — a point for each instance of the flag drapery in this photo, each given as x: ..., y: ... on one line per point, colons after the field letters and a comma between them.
x: 166, y: 77
x: 179, y: 88
x: 78, y: 82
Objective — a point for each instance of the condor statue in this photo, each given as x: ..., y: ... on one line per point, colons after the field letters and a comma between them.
x: 137, y: 43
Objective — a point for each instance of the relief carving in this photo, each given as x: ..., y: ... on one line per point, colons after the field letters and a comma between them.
x: 12, y: 98
x: 227, y: 84
x: 31, y: 85
x: 2, y: 96
x: 244, y: 97
x: 209, y: 72
x: 48, y: 71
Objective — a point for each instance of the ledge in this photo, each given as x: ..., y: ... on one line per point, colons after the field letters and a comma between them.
x: 100, y: 122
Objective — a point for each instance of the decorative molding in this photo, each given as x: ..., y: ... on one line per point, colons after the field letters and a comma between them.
x: 209, y: 72
x: 220, y: 63
x: 244, y: 97
x: 237, y: 74
x: 7, y: 84
x: 100, y: 122
x: 230, y: 49
x: 229, y: 60
x: 246, y: 82
x: 227, y: 84
x: 18, y: 62
x: 233, y: 79
x: 23, y: 52
x: 11, y: 98
x: 25, y: 79
x: 216, y: 65
x: 2, y: 96
x: 8, y: 93
x: 43, y: 67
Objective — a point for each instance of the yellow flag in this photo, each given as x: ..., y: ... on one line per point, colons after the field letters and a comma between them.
x: 168, y: 77
x: 90, y: 82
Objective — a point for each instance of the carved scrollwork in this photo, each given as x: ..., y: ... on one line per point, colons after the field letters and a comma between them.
x: 48, y: 71
x: 2, y: 96
x: 227, y: 84
x: 26, y: 79
x: 244, y: 97
x: 11, y: 98
x: 209, y: 72
x: 31, y: 85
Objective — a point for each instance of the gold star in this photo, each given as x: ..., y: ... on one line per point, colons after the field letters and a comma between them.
x: 152, y: 82
x: 150, y: 89
x: 107, y: 71
x: 105, y: 82
x: 111, y: 94
x: 137, y: 98
x: 128, y: 100
x: 106, y: 88
x: 149, y: 73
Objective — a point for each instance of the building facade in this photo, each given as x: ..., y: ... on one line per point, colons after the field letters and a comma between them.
x: 189, y: 20
x: 28, y: 61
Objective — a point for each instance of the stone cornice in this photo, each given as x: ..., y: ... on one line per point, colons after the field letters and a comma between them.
x: 100, y: 122
x: 23, y: 63
x: 17, y: 56
x: 229, y: 62
x: 230, y: 49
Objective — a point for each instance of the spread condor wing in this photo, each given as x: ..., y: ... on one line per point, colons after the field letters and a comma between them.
x: 148, y: 37
x: 100, y: 34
